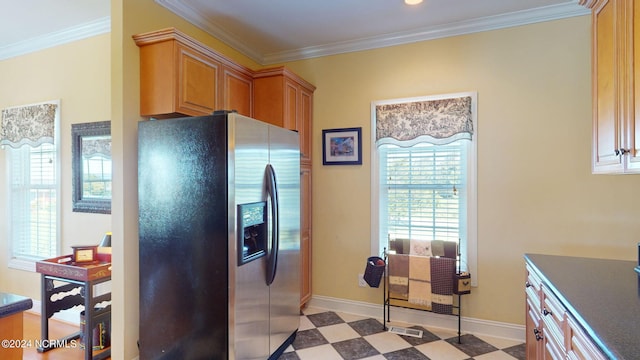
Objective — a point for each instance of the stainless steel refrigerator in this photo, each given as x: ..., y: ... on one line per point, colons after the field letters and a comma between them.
x: 219, y: 236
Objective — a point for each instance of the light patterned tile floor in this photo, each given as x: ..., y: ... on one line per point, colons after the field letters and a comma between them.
x: 327, y: 335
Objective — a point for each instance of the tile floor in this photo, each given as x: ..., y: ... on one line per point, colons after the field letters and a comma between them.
x: 328, y: 335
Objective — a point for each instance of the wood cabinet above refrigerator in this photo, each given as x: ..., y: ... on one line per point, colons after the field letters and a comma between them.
x: 179, y: 76
x: 284, y: 99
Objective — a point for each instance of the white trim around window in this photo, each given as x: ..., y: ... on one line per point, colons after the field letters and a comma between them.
x: 472, y: 197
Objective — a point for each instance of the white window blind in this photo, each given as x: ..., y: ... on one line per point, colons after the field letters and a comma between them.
x: 33, y: 199
x: 423, y: 191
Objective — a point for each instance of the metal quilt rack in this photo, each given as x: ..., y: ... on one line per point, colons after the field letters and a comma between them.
x: 456, y: 308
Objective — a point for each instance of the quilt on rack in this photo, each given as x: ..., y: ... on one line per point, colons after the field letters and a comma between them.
x: 423, y: 280
x: 440, y: 248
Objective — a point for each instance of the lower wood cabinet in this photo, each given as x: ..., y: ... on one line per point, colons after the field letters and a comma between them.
x: 535, y: 345
x: 552, y: 333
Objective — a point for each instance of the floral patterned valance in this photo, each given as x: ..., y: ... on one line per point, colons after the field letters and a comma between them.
x: 434, y: 119
x: 28, y: 125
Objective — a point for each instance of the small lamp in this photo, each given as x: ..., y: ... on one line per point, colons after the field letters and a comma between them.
x: 106, y: 240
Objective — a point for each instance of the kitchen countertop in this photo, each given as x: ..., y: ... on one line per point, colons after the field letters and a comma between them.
x: 602, y: 295
x: 12, y: 304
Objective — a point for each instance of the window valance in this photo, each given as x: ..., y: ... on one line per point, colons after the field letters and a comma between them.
x: 31, y: 125
x: 438, y: 121
x: 97, y: 147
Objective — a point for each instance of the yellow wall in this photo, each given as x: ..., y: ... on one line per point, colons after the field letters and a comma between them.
x: 535, y: 189
x: 536, y: 193
x: 78, y: 74
x: 128, y: 18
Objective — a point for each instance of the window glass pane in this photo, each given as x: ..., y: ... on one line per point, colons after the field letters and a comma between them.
x: 422, y: 191
x: 96, y: 179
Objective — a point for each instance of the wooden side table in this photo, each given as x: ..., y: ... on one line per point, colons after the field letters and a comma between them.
x: 60, y: 279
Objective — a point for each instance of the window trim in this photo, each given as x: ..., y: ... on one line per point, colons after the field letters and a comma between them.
x: 472, y: 171
x: 22, y: 263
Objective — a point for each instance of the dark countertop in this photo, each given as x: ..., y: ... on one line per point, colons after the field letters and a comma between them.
x: 603, y: 296
x: 11, y: 304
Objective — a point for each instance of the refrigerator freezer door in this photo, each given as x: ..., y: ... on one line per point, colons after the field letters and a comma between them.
x: 183, y: 239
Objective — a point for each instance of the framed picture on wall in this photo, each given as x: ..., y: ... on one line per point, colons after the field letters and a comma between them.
x: 342, y: 146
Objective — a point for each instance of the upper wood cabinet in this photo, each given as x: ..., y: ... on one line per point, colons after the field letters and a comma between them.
x: 282, y: 98
x: 181, y: 77
x: 237, y: 92
x: 616, y: 85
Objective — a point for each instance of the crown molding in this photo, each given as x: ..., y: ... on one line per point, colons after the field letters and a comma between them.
x: 193, y: 16
x: 75, y: 33
x: 547, y: 13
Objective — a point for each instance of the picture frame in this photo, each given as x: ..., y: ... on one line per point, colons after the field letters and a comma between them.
x: 342, y: 146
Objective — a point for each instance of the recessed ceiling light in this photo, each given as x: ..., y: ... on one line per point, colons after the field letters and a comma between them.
x: 412, y: 2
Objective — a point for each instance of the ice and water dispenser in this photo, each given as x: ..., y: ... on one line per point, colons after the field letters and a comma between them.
x: 252, y: 231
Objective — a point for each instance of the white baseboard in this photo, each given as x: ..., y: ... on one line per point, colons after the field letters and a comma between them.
x: 423, y: 318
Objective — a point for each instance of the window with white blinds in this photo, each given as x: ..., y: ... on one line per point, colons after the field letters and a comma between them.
x: 424, y: 172
x: 33, y: 201
x: 423, y: 191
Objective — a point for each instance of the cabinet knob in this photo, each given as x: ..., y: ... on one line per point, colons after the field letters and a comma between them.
x: 537, y: 333
x: 527, y: 284
x: 620, y: 152
x: 546, y: 312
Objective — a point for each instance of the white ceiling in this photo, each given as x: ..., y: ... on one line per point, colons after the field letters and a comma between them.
x: 271, y: 31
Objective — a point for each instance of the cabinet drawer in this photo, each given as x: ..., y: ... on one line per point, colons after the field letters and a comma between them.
x: 580, y: 345
x: 552, y: 308
x: 554, y: 317
x: 533, y: 279
x: 553, y: 350
x: 533, y: 287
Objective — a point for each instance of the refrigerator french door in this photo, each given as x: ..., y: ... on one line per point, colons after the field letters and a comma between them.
x: 219, y: 200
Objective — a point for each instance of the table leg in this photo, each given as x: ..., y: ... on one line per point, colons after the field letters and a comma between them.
x: 88, y: 321
x: 44, y: 320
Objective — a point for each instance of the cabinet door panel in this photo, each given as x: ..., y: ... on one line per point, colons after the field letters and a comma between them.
x: 268, y: 100
x: 606, y: 121
x: 306, y: 103
x: 237, y: 92
x: 633, y: 133
x: 198, y: 83
x: 291, y: 120
x: 305, y: 234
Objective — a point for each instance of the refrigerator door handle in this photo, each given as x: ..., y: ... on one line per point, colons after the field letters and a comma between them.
x: 272, y: 192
